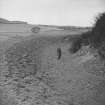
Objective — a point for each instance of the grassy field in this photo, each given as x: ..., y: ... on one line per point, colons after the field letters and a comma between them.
x: 32, y: 74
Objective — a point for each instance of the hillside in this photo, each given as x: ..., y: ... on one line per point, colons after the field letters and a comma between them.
x: 39, y: 68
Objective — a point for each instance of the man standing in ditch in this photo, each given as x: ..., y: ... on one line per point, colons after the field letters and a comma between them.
x: 59, y: 53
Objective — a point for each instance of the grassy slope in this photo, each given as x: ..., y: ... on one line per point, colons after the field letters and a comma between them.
x: 66, y: 76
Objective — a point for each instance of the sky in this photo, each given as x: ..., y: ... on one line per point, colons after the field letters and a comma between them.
x: 52, y: 12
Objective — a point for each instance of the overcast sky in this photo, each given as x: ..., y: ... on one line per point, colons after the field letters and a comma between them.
x: 55, y: 12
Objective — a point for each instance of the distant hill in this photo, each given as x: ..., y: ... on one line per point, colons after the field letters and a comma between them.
x: 4, y: 21
x: 14, y: 27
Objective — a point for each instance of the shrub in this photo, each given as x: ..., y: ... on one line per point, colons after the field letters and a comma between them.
x: 94, y: 38
x: 35, y: 29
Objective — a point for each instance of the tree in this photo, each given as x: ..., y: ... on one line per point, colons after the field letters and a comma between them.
x: 98, y: 31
